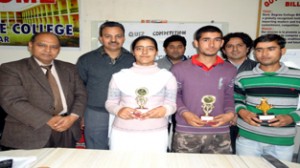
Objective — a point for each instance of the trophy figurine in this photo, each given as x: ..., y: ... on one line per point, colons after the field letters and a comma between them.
x: 264, y: 106
x: 208, y: 106
x: 141, y: 100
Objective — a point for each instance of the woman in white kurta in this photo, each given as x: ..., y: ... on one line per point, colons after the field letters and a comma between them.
x: 142, y: 97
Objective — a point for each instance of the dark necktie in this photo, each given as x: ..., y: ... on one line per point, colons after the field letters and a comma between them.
x: 53, y: 84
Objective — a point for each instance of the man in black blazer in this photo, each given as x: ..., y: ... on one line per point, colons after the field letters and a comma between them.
x: 27, y: 98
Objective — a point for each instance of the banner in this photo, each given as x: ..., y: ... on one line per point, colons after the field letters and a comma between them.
x: 20, y: 19
x: 280, y: 17
x: 160, y: 31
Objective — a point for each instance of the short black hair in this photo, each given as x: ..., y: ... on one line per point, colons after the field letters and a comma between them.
x: 206, y: 29
x: 269, y: 38
x: 245, y: 38
x: 110, y: 24
x: 174, y: 38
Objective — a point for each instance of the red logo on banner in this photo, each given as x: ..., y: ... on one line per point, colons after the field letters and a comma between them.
x: 269, y: 2
x: 29, y: 1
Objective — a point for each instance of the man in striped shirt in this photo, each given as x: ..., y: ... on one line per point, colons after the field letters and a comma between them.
x: 280, y: 86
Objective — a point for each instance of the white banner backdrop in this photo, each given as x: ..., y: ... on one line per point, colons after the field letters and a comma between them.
x: 159, y: 31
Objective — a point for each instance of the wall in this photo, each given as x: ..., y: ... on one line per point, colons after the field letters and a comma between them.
x: 241, y: 15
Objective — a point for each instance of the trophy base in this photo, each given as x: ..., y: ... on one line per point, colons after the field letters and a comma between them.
x: 265, y: 118
x: 207, y: 118
x: 142, y: 110
x: 139, y: 112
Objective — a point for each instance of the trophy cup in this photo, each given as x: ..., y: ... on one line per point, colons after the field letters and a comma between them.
x: 207, y: 106
x: 141, y: 100
x: 264, y: 106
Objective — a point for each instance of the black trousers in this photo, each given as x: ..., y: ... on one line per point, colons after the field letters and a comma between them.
x: 234, y: 130
x: 61, y: 139
x: 57, y: 140
x: 5, y: 148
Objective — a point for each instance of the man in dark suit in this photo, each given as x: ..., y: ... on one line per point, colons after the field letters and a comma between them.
x: 33, y: 119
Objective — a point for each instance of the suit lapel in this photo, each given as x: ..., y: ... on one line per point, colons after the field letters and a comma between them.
x: 37, y: 73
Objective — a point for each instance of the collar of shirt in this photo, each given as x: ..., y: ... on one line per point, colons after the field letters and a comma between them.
x: 182, y: 59
x: 41, y: 64
x: 236, y: 65
x: 103, y: 53
x: 219, y: 60
x: 113, y: 61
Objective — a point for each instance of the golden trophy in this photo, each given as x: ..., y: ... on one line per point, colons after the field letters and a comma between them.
x: 141, y: 100
x: 264, y: 106
x: 208, y: 106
